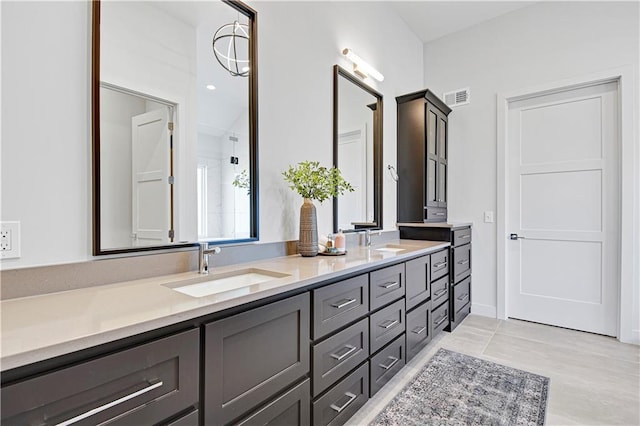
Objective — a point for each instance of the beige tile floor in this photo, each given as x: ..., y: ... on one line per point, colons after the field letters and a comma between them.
x: 595, y: 380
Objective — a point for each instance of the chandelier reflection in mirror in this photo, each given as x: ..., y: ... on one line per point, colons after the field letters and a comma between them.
x: 228, y: 40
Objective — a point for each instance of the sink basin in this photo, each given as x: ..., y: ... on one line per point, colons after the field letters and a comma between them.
x: 238, y: 282
x: 393, y: 248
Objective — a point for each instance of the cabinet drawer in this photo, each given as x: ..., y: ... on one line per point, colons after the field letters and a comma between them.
x: 386, y: 285
x: 435, y: 214
x: 439, y: 264
x: 417, y: 281
x: 461, y: 262
x: 385, y: 325
x: 190, y: 419
x: 418, y: 329
x: 142, y: 385
x: 439, y: 291
x: 461, y: 236
x: 440, y: 318
x: 461, y: 294
x: 291, y: 409
x: 339, y: 354
x: 462, y: 313
x: 344, y: 399
x: 386, y: 363
x: 252, y: 356
x: 336, y: 305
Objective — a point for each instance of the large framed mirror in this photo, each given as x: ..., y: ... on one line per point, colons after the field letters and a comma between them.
x: 174, y: 124
x: 357, y: 152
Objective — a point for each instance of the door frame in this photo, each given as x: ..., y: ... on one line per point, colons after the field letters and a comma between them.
x: 629, y: 167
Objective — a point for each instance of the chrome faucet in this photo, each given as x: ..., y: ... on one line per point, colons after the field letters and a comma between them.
x: 205, y: 251
x: 367, y: 237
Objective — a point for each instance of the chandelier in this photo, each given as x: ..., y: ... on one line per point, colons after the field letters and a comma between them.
x: 228, y: 40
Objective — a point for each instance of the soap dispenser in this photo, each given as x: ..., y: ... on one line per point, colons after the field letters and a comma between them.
x: 339, y: 242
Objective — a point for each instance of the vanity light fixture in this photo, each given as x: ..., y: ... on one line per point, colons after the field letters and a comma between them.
x: 236, y: 35
x: 360, y: 67
x: 211, y: 87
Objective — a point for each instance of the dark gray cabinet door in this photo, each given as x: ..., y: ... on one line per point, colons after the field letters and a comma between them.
x: 440, y: 318
x: 191, y: 419
x: 386, y: 285
x: 439, y: 264
x: 417, y: 279
x: 293, y: 408
x: 385, y: 325
x: 461, y: 294
x: 342, y: 401
x: 338, y: 304
x: 439, y: 291
x: 339, y: 354
x: 461, y: 262
x: 419, y: 325
x: 436, y: 158
x: 252, y: 356
x: 143, y: 385
x: 461, y: 236
x: 386, y: 363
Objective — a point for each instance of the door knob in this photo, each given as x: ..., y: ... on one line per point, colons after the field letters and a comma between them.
x: 515, y: 237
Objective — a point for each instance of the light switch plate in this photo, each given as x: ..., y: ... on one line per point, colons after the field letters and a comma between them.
x: 488, y: 217
x: 9, y: 240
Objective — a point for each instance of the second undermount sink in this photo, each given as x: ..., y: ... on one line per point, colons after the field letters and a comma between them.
x: 239, y: 282
x: 393, y: 248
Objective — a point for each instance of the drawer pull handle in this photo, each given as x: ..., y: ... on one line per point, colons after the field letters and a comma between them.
x: 351, y: 396
x: 438, y: 214
x: 390, y: 284
x: 439, y: 265
x: 418, y: 330
x: 108, y: 405
x: 389, y: 324
x: 463, y: 262
x: 350, y: 350
x: 344, y: 302
x: 393, y: 362
x: 464, y: 297
x: 439, y: 293
x: 441, y: 320
x: 465, y: 236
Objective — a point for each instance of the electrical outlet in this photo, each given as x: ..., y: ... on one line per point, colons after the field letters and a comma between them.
x: 9, y: 240
x: 488, y: 217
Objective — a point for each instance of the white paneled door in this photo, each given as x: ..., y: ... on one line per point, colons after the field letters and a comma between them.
x: 563, y: 209
x: 150, y: 171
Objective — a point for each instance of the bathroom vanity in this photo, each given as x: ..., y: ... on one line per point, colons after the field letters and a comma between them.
x: 308, y: 346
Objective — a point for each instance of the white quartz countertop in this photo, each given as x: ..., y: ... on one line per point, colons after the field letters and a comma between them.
x: 40, y: 327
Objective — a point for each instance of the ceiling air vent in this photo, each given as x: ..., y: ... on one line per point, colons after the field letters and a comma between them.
x: 457, y: 97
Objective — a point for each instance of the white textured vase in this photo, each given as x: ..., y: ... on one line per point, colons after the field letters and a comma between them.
x: 308, y: 239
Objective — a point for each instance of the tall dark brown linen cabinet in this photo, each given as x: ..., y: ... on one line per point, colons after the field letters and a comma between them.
x: 422, y: 157
x: 422, y: 197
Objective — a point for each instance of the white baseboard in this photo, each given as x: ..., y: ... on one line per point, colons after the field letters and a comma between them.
x: 635, y: 338
x: 484, y: 310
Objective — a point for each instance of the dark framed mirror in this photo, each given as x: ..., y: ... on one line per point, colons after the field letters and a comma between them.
x: 357, y: 152
x: 174, y: 124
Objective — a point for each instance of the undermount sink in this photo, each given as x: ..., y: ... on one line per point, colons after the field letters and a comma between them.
x: 393, y: 248
x: 237, y: 282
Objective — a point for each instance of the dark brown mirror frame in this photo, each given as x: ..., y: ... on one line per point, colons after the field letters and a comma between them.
x: 253, y: 133
x: 338, y: 72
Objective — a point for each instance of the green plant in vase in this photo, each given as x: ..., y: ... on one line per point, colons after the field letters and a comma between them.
x: 313, y: 182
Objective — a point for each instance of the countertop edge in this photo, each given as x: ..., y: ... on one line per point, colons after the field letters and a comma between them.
x: 21, y: 359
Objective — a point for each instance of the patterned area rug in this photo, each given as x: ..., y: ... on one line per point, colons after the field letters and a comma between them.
x: 459, y: 389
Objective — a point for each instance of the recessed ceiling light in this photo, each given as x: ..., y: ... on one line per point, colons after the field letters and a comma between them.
x: 211, y: 87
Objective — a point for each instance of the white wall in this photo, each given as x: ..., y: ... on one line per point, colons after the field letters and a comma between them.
x: 46, y: 99
x: 542, y: 43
